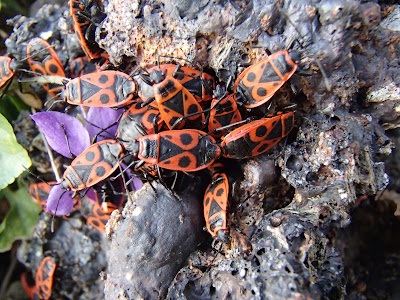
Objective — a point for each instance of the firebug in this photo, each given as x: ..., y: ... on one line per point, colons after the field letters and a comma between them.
x: 136, y: 120
x: 44, y: 277
x: 174, y: 101
x: 7, y: 70
x: 198, y: 83
x: 181, y: 150
x: 215, y: 206
x: 9, y: 67
x: 44, y: 60
x: 257, y: 136
x: 93, y: 165
x: 83, y: 65
x: 259, y: 82
x: 86, y: 15
x: 29, y: 286
x: 224, y: 113
x: 40, y: 192
x: 98, y: 218
x: 102, y: 89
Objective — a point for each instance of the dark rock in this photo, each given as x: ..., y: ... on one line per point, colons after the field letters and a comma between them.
x: 288, y: 207
x: 151, y: 241
x: 79, y: 251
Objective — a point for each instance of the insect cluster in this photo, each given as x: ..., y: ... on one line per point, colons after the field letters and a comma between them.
x: 172, y: 118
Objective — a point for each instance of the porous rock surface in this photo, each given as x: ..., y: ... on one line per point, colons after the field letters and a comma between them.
x: 289, y: 207
x: 281, y: 243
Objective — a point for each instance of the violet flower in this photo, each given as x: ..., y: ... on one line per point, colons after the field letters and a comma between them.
x: 58, y: 128
x: 63, y: 198
x: 99, y: 118
x: 64, y: 133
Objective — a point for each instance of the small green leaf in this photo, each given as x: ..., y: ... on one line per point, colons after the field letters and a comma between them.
x: 11, y: 8
x: 20, y: 219
x: 13, y: 157
x: 11, y: 105
x: 8, y: 108
x: 18, y: 103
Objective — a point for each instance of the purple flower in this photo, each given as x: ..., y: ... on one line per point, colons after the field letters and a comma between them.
x: 60, y: 201
x: 58, y: 128
x: 91, y: 195
x: 137, y: 183
x: 100, y: 118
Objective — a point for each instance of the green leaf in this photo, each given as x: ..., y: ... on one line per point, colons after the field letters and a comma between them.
x: 13, y: 157
x: 20, y: 219
x: 11, y: 8
x: 18, y: 103
x: 11, y: 105
x: 8, y: 109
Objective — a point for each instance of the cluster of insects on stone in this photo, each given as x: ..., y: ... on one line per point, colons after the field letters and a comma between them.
x: 174, y: 118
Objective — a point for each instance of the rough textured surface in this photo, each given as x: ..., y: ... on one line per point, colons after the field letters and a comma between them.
x: 331, y: 160
x: 150, y: 241
x: 289, y: 207
x: 79, y: 251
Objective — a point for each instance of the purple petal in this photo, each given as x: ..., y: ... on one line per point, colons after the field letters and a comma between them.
x: 57, y: 126
x: 64, y: 199
x: 137, y: 183
x: 91, y: 195
x: 102, y: 117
